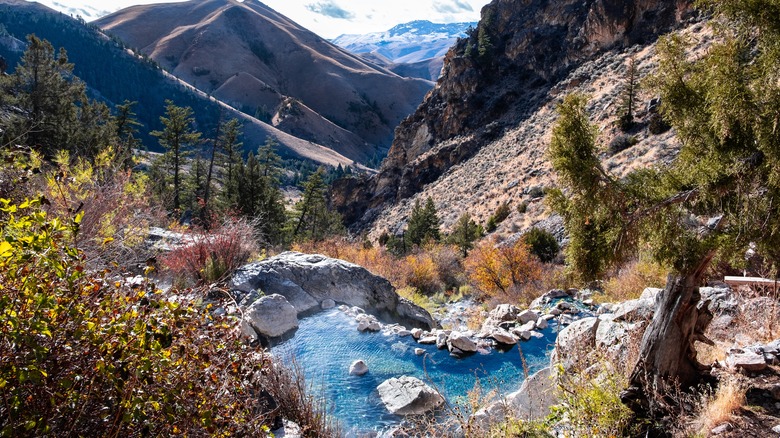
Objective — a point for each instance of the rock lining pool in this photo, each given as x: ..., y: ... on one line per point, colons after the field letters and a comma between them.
x: 326, y: 343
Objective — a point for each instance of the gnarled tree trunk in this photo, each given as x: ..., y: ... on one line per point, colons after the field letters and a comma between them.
x: 667, y: 358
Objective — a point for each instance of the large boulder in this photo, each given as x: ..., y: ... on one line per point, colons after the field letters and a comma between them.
x: 462, y: 341
x: 269, y: 316
x: 574, y: 341
x: 306, y: 280
x: 531, y: 402
x: 407, y: 395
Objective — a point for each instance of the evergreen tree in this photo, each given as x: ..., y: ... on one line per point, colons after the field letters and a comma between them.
x: 49, y: 108
x: 465, y: 232
x: 311, y: 218
x: 423, y: 223
x: 258, y: 193
x: 717, y: 199
x: 176, y: 137
x: 126, y: 127
x: 628, y: 95
x: 231, y: 150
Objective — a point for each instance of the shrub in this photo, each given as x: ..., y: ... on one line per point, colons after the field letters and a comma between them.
x: 542, y: 243
x: 501, y: 213
x: 657, y: 124
x: 522, y: 207
x: 620, y: 143
x: 631, y: 279
x: 84, y: 355
x: 591, y: 404
x: 212, y: 256
x: 718, y: 408
x: 495, y: 268
x: 115, y: 205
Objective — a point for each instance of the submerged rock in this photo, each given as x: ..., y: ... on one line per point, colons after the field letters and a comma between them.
x: 407, y: 395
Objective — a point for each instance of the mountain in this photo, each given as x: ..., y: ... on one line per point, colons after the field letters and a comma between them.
x: 480, y: 137
x: 256, y: 59
x: 114, y: 74
x: 414, y: 49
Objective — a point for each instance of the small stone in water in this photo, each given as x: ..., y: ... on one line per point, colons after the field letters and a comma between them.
x: 358, y: 368
x: 419, y: 351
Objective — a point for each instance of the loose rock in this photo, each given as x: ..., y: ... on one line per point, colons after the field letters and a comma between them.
x: 408, y: 395
x: 358, y: 368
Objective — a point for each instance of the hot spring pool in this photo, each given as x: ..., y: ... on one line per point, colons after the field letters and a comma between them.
x: 327, y: 343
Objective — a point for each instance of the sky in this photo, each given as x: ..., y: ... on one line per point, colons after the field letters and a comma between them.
x: 327, y: 18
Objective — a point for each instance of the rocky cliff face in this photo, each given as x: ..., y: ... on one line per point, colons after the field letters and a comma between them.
x: 498, y: 77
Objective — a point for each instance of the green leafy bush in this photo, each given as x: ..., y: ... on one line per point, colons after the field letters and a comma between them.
x: 542, y: 243
x: 84, y: 354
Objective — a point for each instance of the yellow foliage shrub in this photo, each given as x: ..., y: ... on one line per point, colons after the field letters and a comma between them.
x: 502, y: 269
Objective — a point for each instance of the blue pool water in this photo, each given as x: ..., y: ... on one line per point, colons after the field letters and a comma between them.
x: 327, y: 343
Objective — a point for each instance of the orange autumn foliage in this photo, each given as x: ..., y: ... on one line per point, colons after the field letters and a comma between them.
x: 502, y: 268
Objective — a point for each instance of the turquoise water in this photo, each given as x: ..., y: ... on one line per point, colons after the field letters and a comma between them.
x: 327, y: 343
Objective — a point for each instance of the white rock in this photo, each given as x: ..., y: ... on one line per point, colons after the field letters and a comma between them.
x: 745, y: 359
x: 441, y: 339
x: 526, y: 316
x: 417, y: 333
x: 502, y: 336
x: 541, y: 323
x: 776, y: 429
x: 358, y: 368
x: 408, y: 395
x: 419, y: 351
x: 428, y: 340
x: 368, y: 323
x: 528, y: 326
x: 403, y: 333
x: 723, y: 428
x: 462, y: 341
x: 650, y: 293
x: 271, y: 315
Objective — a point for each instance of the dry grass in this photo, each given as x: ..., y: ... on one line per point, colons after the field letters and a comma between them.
x: 719, y: 407
x: 631, y: 279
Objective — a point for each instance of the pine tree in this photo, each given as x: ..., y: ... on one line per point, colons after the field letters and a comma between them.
x: 126, y: 128
x: 176, y: 137
x: 423, y: 223
x: 49, y: 107
x: 231, y: 148
x: 465, y: 232
x: 258, y: 193
x: 311, y: 218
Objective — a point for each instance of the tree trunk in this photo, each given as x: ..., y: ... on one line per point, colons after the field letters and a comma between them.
x: 667, y: 357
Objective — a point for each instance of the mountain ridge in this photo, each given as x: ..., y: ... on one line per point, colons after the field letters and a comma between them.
x: 495, y: 83
x: 415, y: 49
x: 191, y: 39
x: 114, y: 74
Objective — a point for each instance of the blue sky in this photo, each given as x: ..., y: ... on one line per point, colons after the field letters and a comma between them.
x: 328, y: 18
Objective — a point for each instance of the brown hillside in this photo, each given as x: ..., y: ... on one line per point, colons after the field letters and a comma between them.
x: 206, y: 43
x: 480, y: 137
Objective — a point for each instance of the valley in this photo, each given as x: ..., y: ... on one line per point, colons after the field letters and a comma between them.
x: 558, y: 220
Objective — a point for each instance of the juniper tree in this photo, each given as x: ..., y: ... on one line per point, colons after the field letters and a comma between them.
x: 719, y: 196
x: 629, y: 95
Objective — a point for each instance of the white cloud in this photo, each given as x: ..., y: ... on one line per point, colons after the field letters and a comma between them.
x: 328, y: 18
